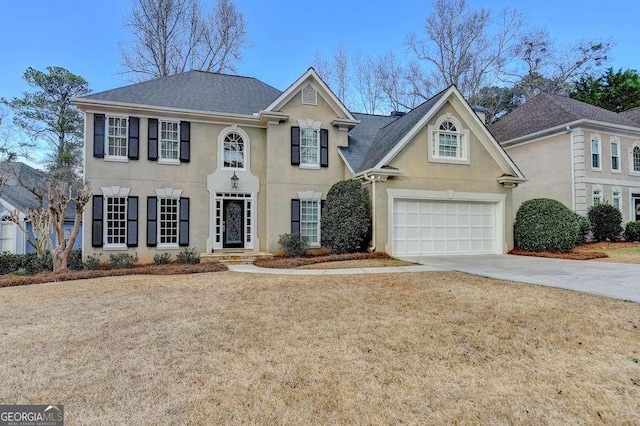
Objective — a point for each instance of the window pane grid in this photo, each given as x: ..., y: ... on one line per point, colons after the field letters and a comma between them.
x: 636, y: 159
x: 448, y: 145
x: 169, y: 140
x: 309, y: 146
x: 117, y: 137
x: 168, y: 221
x: 595, y: 153
x: 116, y: 216
x: 309, y: 221
x: 233, y: 151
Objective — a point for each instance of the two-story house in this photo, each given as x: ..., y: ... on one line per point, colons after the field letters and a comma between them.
x: 576, y: 153
x: 223, y: 163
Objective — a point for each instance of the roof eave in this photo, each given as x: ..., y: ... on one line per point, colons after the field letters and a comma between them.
x: 379, y: 171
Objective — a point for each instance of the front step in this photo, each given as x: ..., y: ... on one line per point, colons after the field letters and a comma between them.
x: 247, y: 257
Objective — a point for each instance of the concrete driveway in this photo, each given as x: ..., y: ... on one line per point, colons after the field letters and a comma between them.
x: 618, y: 280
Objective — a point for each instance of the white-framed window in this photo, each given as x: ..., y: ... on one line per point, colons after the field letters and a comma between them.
x: 115, y: 207
x: 169, y: 142
x: 448, y: 141
x: 596, y: 154
x: 233, y: 151
x: 309, y: 147
x: 635, y: 159
x: 616, y: 199
x: 67, y: 233
x: 615, y: 156
x: 168, y: 221
x: 596, y: 196
x: 117, y: 136
x: 310, y: 221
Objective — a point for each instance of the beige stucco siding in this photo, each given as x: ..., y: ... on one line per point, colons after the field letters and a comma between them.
x: 283, y: 181
x: 479, y: 176
x: 547, y: 166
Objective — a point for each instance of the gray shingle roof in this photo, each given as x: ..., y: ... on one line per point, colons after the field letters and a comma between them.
x: 361, y: 137
x: 391, y: 131
x: 196, y: 90
x: 15, y: 193
x: 546, y: 111
x: 633, y: 115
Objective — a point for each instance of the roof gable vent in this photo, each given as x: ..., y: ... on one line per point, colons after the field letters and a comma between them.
x: 309, y: 95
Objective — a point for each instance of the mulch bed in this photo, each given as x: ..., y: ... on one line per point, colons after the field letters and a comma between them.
x: 294, y: 262
x: 607, y: 245
x: 9, y: 280
x: 572, y: 255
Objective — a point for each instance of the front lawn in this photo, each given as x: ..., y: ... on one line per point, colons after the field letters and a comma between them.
x: 619, y: 252
x: 427, y: 348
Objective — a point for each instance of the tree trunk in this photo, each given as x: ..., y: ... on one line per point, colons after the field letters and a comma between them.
x: 59, y: 260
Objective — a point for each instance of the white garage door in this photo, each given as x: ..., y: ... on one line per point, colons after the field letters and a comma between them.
x: 444, y: 227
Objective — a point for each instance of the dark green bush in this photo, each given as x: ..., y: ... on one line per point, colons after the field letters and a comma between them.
x: 9, y: 263
x: 632, y: 231
x: 92, y: 262
x: 122, y: 260
x: 345, y: 217
x: 293, y: 245
x: 162, y: 258
x: 75, y: 261
x: 32, y: 265
x: 584, y: 229
x: 188, y: 256
x: 606, y: 222
x: 543, y: 224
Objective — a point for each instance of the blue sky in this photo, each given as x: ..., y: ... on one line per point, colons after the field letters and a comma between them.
x: 83, y: 35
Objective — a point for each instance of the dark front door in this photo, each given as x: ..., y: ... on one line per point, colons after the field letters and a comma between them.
x: 233, y: 220
x: 636, y: 205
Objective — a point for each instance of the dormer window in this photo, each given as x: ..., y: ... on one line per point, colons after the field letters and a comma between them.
x: 448, y: 142
x: 309, y: 95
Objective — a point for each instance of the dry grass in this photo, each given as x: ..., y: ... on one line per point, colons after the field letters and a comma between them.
x: 428, y: 348
x: 279, y: 262
x: 364, y: 263
x: 574, y: 254
x: 620, y: 252
x: 10, y: 280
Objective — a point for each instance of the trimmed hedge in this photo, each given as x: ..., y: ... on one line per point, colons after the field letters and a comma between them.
x: 584, y: 229
x: 30, y: 264
x: 632, y: 231
x: 543, y: 224
x: 345, y: 217
x: 293, y: 245
x: 606, y: 222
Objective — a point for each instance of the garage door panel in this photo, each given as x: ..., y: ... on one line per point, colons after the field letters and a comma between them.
x: 422, y: 227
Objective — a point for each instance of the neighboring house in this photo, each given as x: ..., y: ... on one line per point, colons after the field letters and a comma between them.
x: 223, y: 163
x: 18, y: 193
x: 575, y: 153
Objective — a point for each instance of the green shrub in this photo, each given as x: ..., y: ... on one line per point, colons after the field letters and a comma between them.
x: 92, y: 262
x: 122, y: 260
x: 543, y: 224
x: 293, y: 245
x: 345, y: 217
x: 33, y: 265
x: 606, y: 222
x: 584, y: 229
x: 632, y: 231
x: 188, y: 256
x: 75, y: 261
x: 9, y: 263
x: 162, y: 258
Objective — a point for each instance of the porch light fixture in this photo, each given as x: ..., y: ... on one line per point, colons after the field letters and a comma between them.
x: 234, y: 180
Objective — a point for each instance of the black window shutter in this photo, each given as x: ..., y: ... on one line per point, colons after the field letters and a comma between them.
x: 295, y: 146
x: 185, y: 141
x: 295, y: 216
x: 153, y: 139
x: 152, y: 221
x: 98, y: 135
x: 96, y: 221
x: 134, y: 138
x: 132, y: 222
x: 324, y: 148
x: 183, y: 236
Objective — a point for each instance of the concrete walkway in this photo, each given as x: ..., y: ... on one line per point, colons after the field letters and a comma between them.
x: 252, y: 269
x: 617, y: 280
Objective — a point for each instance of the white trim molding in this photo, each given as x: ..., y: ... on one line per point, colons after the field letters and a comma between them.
x: 462, y: 147
x: 115, y: 191
x: 234, y: 128
x: 168, y: 192
x: 309, y: 195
